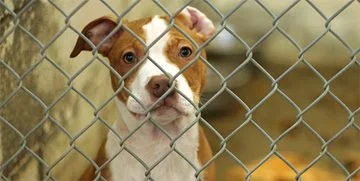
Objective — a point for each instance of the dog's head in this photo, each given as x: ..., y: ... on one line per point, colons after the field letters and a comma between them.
x: 171, y: 52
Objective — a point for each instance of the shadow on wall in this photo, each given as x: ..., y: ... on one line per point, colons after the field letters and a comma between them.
x: 19, y: 52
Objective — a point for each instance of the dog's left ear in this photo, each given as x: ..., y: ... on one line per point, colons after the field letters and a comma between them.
x: 198, y: 21
x: 97, y: 31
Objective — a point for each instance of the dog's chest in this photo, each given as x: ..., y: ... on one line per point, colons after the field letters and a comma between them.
x: 162, y: 163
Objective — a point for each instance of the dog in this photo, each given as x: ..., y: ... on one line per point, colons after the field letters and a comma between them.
x: 147, y: 84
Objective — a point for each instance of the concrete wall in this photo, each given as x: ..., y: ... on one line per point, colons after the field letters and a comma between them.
x: 19, y: 52
x: 302, y: 23
x: 1, y: 151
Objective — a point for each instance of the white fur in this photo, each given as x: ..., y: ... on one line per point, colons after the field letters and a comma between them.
x: 149, y: 143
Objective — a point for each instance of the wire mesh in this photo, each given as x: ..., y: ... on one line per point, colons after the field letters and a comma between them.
x: 47, y: 117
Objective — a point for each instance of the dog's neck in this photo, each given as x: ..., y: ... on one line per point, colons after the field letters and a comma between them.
x: 150, y: 145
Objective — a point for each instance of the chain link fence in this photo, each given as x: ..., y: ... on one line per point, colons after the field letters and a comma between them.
x: 26, y: 138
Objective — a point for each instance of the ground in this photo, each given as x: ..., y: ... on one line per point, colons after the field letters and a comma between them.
x: 326, y: 117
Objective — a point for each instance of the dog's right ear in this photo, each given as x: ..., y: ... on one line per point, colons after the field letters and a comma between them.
x: 96, y: 31
x: 198, y: 21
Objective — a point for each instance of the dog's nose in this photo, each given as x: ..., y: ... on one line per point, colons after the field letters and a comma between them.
x: 158, y: 85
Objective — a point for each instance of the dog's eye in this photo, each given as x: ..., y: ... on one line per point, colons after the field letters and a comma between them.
x: 185, y: 52
x: 129, y: 58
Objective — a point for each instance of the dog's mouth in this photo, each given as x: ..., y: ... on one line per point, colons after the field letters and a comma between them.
x: 162, y: 109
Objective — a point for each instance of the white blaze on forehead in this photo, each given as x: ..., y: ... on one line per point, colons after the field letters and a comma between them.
x: 153, y: 30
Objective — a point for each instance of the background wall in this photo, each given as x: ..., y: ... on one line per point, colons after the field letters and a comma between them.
x: 22, y: 111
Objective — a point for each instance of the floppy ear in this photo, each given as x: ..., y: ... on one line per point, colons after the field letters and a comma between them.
x: 198, y: 21
x: 96, y: 31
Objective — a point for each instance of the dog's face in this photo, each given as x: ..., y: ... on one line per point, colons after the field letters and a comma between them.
x: 172, y: 52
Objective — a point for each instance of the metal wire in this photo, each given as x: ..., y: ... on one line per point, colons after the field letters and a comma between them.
x: 249, y: 120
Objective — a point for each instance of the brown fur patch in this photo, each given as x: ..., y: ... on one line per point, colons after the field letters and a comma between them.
x: 100, y: 159
x: 196, y: 73
x: 204, y: 155
x: 125, y: 43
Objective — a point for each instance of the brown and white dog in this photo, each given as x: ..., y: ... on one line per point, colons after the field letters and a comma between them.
x: 148, y: 83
